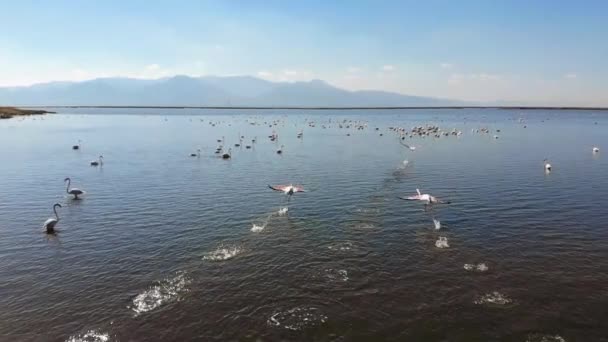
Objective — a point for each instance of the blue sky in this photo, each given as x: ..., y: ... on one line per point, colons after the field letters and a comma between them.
x: 529, y: 52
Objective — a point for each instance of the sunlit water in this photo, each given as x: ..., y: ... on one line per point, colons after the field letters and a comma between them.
x: 168, y: 247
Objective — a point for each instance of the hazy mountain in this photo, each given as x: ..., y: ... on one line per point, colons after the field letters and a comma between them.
x: 205, y: 91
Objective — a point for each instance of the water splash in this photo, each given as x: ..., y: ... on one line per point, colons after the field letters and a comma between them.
x: 405, y: 163
x: 341, y: 246
x: 544, y: 338
x: 479, y: 267
x: 257, y: 228
x: 283, y: 211
x: 495, y: 298
x: 442, y: 242
x: 89, y: 336
x: 437, y: 224
x: 336, y: 275
x: 223, y: 253
x: 297, y: 318
x: 165, y: 291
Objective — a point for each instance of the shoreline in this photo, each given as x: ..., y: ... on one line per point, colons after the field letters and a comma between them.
x: 10, y: 112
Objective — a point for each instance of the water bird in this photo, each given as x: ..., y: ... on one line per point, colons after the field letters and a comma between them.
x: 49, y: 225
x: 547, y: 165
x: 197, y: 154
x: 97, y: 162
x: 425, y: 198
x: 288, y: 190
x: 596, y: 149
x: 227, y: 155
x: 77, y: 146
x: 280, y: 150
x: 73, y: 191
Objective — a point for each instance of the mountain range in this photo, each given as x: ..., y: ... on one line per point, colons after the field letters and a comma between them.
x: 206, y: 91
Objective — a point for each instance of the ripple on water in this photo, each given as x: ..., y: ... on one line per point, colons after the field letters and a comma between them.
x: 297, y: 318
x: 223, y: 253
x: 89, y: 336
x: 165, y: 291
x: 442, y: 242
x: 544, y: 338
x: 363, y: 225
x: 341, y: 246
x: 478, y: 268
x: 494, y: 298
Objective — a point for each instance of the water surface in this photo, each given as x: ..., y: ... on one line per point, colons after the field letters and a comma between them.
x: 162, y: 248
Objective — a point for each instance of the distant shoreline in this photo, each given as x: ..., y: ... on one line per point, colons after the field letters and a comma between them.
x: 329, y: 108
x: 10, y: 112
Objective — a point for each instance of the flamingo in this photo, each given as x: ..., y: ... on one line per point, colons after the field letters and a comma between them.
x: 197, y: 154
x: 596, y: 149
x: 97, y: 162
x: 49, y: 224
x: 425, y: 198
x: 77, y: 146
x: 227, y: 155
x: 280, y: 150
x: 288, y: 190
x: 72, y: 191
x: 547, y: 165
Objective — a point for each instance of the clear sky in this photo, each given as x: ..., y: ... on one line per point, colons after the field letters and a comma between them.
x: 530, y: 52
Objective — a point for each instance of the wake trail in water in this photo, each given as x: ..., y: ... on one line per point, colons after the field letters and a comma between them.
x: 164, y: 291
x: 89, y: 336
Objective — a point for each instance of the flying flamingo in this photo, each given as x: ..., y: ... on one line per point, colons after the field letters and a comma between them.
x: 49, y: 224
x: 425, y: 198
x: 288, y: 190
x: 72, y: 191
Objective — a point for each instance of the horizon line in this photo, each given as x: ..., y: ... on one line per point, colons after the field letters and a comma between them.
x: 321, y: 107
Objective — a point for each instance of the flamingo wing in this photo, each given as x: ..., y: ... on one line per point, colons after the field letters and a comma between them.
x: 281, y: 188
x: 410, y: 198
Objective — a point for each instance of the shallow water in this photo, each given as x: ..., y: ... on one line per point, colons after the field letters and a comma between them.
x: 161, y: 247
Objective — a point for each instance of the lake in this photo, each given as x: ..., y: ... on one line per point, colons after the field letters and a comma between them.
x: 168, y: 247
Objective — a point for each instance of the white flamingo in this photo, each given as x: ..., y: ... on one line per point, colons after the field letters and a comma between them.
x: 288, y: 190
x: 73, y: 191
x: 97, y: 162
x: 49, y: 224
x: 425, y: 198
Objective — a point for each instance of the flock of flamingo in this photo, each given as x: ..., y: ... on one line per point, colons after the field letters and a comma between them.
x: 290, y: 189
